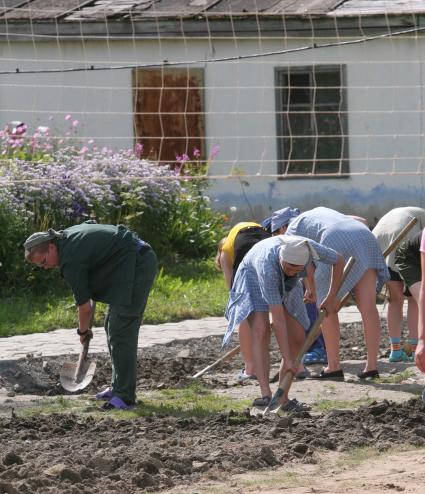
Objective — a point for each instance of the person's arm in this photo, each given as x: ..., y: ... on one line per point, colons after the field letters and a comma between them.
x: 309, y: 284
x: 85, y: 315
x: 359, y: 218
x: 420, y: 349
x: 331, y: 304
x: 226, y: 267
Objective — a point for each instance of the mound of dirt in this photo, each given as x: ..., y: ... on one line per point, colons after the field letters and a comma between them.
x: 67, y: 453
x: 171, y: 365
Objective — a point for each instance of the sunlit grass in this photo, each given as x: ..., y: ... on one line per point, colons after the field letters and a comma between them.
x: 191, y: 401
x: 328, y: 405
x: 182, y: 290
x: 397, y: 378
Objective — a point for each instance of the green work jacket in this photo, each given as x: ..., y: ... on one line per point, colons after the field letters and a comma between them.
x: 98, y: 262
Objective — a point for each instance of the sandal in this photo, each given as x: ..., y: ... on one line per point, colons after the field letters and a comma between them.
x: 242, y: 376
x: 316, y: 356
x: 337, y: 375
x: 116, y: 403
x: 264, y: 401
x: 106, y: 394
x: 295, y: 406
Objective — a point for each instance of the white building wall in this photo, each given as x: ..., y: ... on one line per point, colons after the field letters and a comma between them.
x: 384, y: 93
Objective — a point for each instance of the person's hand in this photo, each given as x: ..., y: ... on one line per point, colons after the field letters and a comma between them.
x: 309, y: 297
x: 330, y: 306
x: 88, y: 335
x: 420, y: 356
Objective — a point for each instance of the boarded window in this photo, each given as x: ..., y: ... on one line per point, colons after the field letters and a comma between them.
x: 168, y: 112
x: 311, y: 121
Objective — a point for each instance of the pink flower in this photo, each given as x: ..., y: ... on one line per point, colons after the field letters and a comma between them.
x: 138, y: 150
x: 68, y: 117
x: 214, y: 151
x: 75, y: 124
x: 183, y: 158
x: 196, y: 153
x: 84, y: 150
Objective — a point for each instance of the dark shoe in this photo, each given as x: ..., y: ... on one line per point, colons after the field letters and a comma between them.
x: 295, y: 406
x: 337, y: 375
x: 264, y: 401
x: 368, y: 374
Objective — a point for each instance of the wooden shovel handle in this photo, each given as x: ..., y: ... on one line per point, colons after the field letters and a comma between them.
x: 225, y: 357
x: 85, y: 347
x: 286, y: 380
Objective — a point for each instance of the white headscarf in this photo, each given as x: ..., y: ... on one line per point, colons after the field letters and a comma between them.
x: 296, y: 250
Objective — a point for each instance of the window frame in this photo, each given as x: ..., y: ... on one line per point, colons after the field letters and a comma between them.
x: 281, y: 101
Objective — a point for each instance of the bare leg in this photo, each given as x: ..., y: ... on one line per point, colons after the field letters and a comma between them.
x: 260, y: 332
x: 413, y: 311
x: 395, y: 308
x: 331, y: 333
x: 412, y: 318
x: 245, y: 341
x: 365, y: 294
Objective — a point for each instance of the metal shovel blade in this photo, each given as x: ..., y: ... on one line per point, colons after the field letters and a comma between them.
x: 76, y: 376
x: 69, y: 379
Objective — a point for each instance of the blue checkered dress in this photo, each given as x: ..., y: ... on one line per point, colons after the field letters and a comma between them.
x: 347, y: 236
x: 260, y: 282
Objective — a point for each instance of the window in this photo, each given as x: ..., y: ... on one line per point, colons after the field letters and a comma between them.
x: 311, y: 121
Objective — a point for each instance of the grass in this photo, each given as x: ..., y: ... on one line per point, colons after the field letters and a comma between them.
x: 182, y: 290
x: 397, y: 378
x: 191, y: 401
x: 327, y: 405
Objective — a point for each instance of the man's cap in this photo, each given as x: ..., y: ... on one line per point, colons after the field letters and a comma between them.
x: 38, y: 238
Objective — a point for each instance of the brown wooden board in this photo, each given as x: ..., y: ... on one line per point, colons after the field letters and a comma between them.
x: 168, y: 112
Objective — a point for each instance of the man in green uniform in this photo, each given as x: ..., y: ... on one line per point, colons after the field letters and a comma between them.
x: 108, y: 264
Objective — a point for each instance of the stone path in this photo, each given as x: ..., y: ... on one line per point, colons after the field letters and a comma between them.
x: 66, y: 341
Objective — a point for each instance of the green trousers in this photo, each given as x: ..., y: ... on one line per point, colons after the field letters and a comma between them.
x: 122, y: 324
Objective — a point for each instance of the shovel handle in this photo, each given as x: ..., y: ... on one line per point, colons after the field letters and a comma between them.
x: 85, y: 348
x: 225, y: 357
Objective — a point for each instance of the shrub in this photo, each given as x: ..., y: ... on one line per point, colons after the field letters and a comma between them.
x: 69, y: 186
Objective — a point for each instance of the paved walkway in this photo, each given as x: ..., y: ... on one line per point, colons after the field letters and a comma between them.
x: 66, y: 341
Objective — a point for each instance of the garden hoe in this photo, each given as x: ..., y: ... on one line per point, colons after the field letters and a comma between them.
x: 76, y: 376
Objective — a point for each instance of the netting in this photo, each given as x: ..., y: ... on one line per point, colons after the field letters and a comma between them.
x: 258, y: 95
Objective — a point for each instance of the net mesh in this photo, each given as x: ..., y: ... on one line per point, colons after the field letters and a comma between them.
x: 283, y: 89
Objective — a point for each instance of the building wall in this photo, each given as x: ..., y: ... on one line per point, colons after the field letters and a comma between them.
x: 385, y: 118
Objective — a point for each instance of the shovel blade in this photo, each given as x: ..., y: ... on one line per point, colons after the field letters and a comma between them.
x: 67, y: 375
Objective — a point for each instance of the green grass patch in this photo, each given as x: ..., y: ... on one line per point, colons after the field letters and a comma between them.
x: 182, y: 290
x: 328, y: 405
x: 192, y: 401
x: 397, y: 378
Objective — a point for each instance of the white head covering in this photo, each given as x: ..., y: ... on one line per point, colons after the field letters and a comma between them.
x: 296, y: 250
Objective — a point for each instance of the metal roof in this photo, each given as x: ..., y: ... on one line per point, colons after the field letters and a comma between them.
x: 135, y: 10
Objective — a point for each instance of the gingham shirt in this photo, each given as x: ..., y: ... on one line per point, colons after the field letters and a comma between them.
x: 260, y: 282
x: 347, y: 236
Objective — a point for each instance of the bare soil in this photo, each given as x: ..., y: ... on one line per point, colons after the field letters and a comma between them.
x: 226, y: 452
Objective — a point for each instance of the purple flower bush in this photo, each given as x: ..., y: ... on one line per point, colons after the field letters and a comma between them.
x: 42, y: 187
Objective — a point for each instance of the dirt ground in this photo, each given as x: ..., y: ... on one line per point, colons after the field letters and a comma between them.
x: 308, y: 452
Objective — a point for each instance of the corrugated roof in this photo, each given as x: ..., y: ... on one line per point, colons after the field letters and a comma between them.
x: 146, y: 9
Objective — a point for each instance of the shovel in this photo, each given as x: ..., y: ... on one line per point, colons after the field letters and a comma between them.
x: 76, y: 376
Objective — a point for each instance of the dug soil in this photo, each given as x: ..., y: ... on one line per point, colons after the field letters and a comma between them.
x: 225, y: 452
